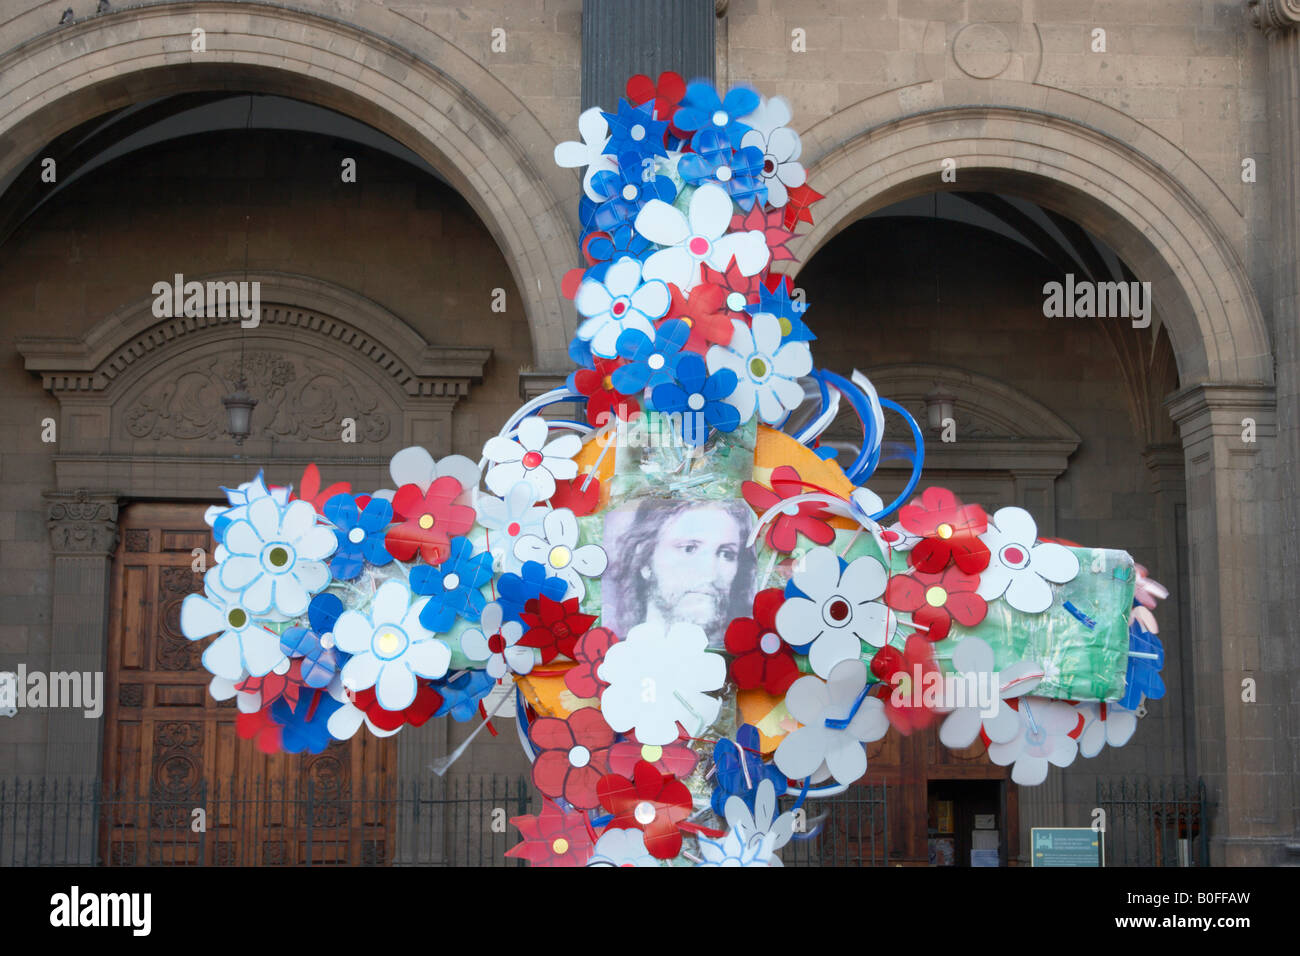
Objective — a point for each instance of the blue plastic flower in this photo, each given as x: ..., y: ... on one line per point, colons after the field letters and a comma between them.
x: 618, y: 242
x: 1143, y: 676
x: 360, y: 534
x: 319, y: 663
x: 650, y: 363
x: 789, y: 312
x: 698, y: 398
x: 460, y: 697
x: 305, y: 727
x: 740, y: 769
x: 580, y: 352
x: 453, y: 586
x: 702, y: 109
x: 516, y: 590
x: 633, y: 129
x: 738, y: 171
x: 625, y: 192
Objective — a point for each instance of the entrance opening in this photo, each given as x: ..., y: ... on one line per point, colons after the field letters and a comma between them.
x: 966, y: 822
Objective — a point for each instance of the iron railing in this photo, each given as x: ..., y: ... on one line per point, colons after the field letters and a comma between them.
x: 849, y: 829
x: 1155, y: 822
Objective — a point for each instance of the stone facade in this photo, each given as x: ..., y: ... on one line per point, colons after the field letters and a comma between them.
x: 1147, y: 142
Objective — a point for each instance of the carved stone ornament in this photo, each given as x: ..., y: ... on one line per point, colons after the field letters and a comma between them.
x: 82, y: 523
x: 1274, y: 15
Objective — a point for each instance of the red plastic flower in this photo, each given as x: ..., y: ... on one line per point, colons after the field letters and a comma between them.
x: 260, y: 727
x: 906, y: 675
x: 429, y: 521
x: 427, y: 700
x: 667, y: 93
x: 651, y: 802
x: 553, y: 626
x: 771, y: 224
x: 553, y: 837
x: 706, y: 314
x: 589, y: 652
x: 934, y: 600
x: 762, y: 658
x: 809, y: 520
x: 734, y: 283
x: 677, y: 758
x: 950, y: 531
x: 603, y: 400
x: 569, y: 493
x: 274, y: 686
x: 798, y: 207
x: 573, y: 757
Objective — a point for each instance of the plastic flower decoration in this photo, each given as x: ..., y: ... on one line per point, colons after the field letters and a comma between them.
x: 622, y: 848
x: 651, y: 360
x: 700, y: 399
x: 453, y: 588
x: 572, y: 756
x: 590, y: 152
x: 1020, y: 570
x: 622, y: 300
x: 554, y: 626
x: 516, y: 590
x: 757, y: 832
x: 705, y: 313
x: 808, y: 518
x: 766, y: 370
x: 314, y: 645
x: 495, y: 643
x: 973, y: 660
x: 589, y: 651
x: 634, y: 131
x: 780, y: 168
x: 741, y: 771
x: 360, y: 534
x: 389, y: 647
x: 531, y: 458
x: 936, y: 600
x: 553, y: 837
x: 244, y: 647
x: 677, y: 758
x: 698, y: 237
x: 275, y: 557
x: 430, y: 519
x: 560, y: 553
x: 651, y: 802
x: 605, y: 401
x: 950, y: 530
x: 737, y: 171
x: 838, y: 718
x: 508, y: 519
x: 1104, y: 724
x: 762, y: 659
x: 904, y: 675
x: 1046, y: 733
x: 703, y: 110
x: 835, y: 610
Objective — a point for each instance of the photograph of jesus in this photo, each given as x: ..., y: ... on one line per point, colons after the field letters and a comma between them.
x: 678, y: 560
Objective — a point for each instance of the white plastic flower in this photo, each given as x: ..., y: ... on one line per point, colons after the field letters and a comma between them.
x: 531, y: 459
x: 1042, y: 737
x: 621, y: 848
x: 840, y: 609
x: 699, y: 236
x: 1018, y: 569
x: 898, y: 538
x: 497, y: 644
x: 590, y: 152
x: 781, y: 166
x: 389, y: 647
x: 771, y: 114
x: 415, y: 466
x: 347, y: 720
x: 658, y: 679
x: 837, y: 718
x: 974, y: 663
x: 621, y: 301
x: 754, y: 837
x: 766, y: 370
x: 244, y: 647
x: 559, y: 553
x: 1104, y: 725
x: 508, y: 519
x: 240, y: 497
x: 273, y: 557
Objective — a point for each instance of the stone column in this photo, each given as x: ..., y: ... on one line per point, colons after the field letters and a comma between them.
x: 1239, y: 674
x: 83, y: 537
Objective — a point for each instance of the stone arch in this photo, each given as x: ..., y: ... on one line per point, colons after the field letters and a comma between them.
x: 446, y: 107
x: 1173, y: 232
x: 139, y: 396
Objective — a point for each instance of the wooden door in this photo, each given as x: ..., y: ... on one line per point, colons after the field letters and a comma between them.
x: 171, y: 750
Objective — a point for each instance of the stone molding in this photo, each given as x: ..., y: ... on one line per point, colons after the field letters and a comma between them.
x: 82, y: 524
x: 1274, y: 16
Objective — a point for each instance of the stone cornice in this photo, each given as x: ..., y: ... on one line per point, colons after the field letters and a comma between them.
x: 1274, y: 16
x: 82, y: 523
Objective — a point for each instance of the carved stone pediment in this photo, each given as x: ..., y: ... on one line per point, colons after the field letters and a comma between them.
x: 82, y: 523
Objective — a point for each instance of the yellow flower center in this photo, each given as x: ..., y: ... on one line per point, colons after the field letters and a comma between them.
x: 651, y: 752
x: 936, y: 596
x: 944, y: 530
x: 426, y: 522
x: 560, y: 845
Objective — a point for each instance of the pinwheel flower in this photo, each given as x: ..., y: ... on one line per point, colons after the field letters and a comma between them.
x: 765, y: 369
x: 741, y: 771
x: 590, y: 152
x: 772, y: 225
x: 705, y: 314
x: 239, y: 499
x: 774, y: 298
x: 951, y: 532
x: 780, y: 166
x: 622, y: 300
x: 430, y: 519
x: 605, y: 400
x: 657, y: 679
x: 1020, y: 570
x: 619, y: 242
x: 554, y: 626
x: 702, y: 109
x: 309, y: 489
x: 762, y: 659
x: 415, y: 466
x: 700, y: 399
x: 274, y: 557
x: 677, y: 758
x: 650, y: 802
x: 666, y: 93
x: 553, y: 837
x: 531, y: 458
x: 243, y: 647
x: 314, y: 645
x: 972, y: 659
x: 622, y: 848
x: 1142, y: 678
x: 426, y: 704
x: 935, y: 600
x: 389, y: 647
x: 560, y: 554
x: 905, y: 703
x: 514, y: 591
x: 454, y: 586
x: 838, y: 718
x: 304, y: 727
x: 508, y: 519
x: 635, y: 132
x: 837, y: 610
x: 1046, y: 732
x: 461, y: 695
x: 285, y: 682
x: 344, y: 722
x: 738, y: 171
x: 651, y: 362
x: 589, y: 651
x: 757, y: 832
x: 626, y: 191
x: 497, y: 642
x: 573, y: 756
x: 698, y: 237
x: 360, y: 534
x: 809, y: 518
x: 1104, y: 725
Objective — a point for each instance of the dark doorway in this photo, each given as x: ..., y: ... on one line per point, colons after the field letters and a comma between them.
x: 966, y: 823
